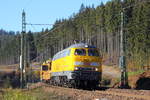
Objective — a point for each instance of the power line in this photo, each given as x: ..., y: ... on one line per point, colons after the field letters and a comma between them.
x: 39, y: 24
x: 33, y: 27
x: 43, y: 36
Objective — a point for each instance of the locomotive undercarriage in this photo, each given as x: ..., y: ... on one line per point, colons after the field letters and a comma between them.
x: 73, y: 83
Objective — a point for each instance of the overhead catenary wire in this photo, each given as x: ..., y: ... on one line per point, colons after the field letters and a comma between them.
x: 39, y: 24
x: 102, y: 28
x: 45, y: 35
x: 87, y: 16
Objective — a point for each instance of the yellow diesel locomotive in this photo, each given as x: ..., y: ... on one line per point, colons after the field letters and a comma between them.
x: 76, y: 66
x: 45, y: 73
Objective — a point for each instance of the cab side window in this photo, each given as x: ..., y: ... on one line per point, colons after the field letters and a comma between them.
x: 80, y: 52
x: 93, y: 52
x: 45, y: 68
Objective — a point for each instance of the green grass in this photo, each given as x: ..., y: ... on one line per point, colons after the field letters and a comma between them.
x: 17, y: 95
x: 35, y: 94
x: 135, y: 72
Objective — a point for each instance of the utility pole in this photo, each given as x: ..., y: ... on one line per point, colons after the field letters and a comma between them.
x: 22, y: 57
x: 122, y: 59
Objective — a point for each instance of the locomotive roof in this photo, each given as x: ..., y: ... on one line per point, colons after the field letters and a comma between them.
x: 81, y: 45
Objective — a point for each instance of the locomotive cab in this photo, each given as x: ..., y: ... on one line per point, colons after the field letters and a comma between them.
x: 87, y: 64
x: 45, y: 73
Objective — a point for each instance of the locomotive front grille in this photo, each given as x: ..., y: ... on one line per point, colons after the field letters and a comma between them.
x: 86, y: 75
x: 86, y: 68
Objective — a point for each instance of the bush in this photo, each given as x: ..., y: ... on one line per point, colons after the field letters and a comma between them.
x: 7, y: 83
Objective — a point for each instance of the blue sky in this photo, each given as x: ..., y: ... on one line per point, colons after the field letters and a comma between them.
x: 38, y: 11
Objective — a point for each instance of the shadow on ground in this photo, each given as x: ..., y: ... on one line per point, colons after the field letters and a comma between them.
x: 143, y: 84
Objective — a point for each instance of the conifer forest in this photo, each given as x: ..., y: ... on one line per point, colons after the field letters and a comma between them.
x: 99, y: 26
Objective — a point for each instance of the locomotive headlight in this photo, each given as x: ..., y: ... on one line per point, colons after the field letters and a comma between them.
x: 96, y: 69
x: 76, y: 68
x: 78, y: 63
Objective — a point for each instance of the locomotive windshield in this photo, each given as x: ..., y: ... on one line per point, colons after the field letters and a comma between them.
x: 93, y: 52
x: 80, y: 52
x: 44, y: 68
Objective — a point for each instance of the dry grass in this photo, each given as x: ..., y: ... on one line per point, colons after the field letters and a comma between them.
x: 34, y: 94
x: 9, y: 68
x: 111, y: 75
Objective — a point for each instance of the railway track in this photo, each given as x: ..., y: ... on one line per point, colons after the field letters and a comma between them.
x: 122, y: 94
x: 108, y: 94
